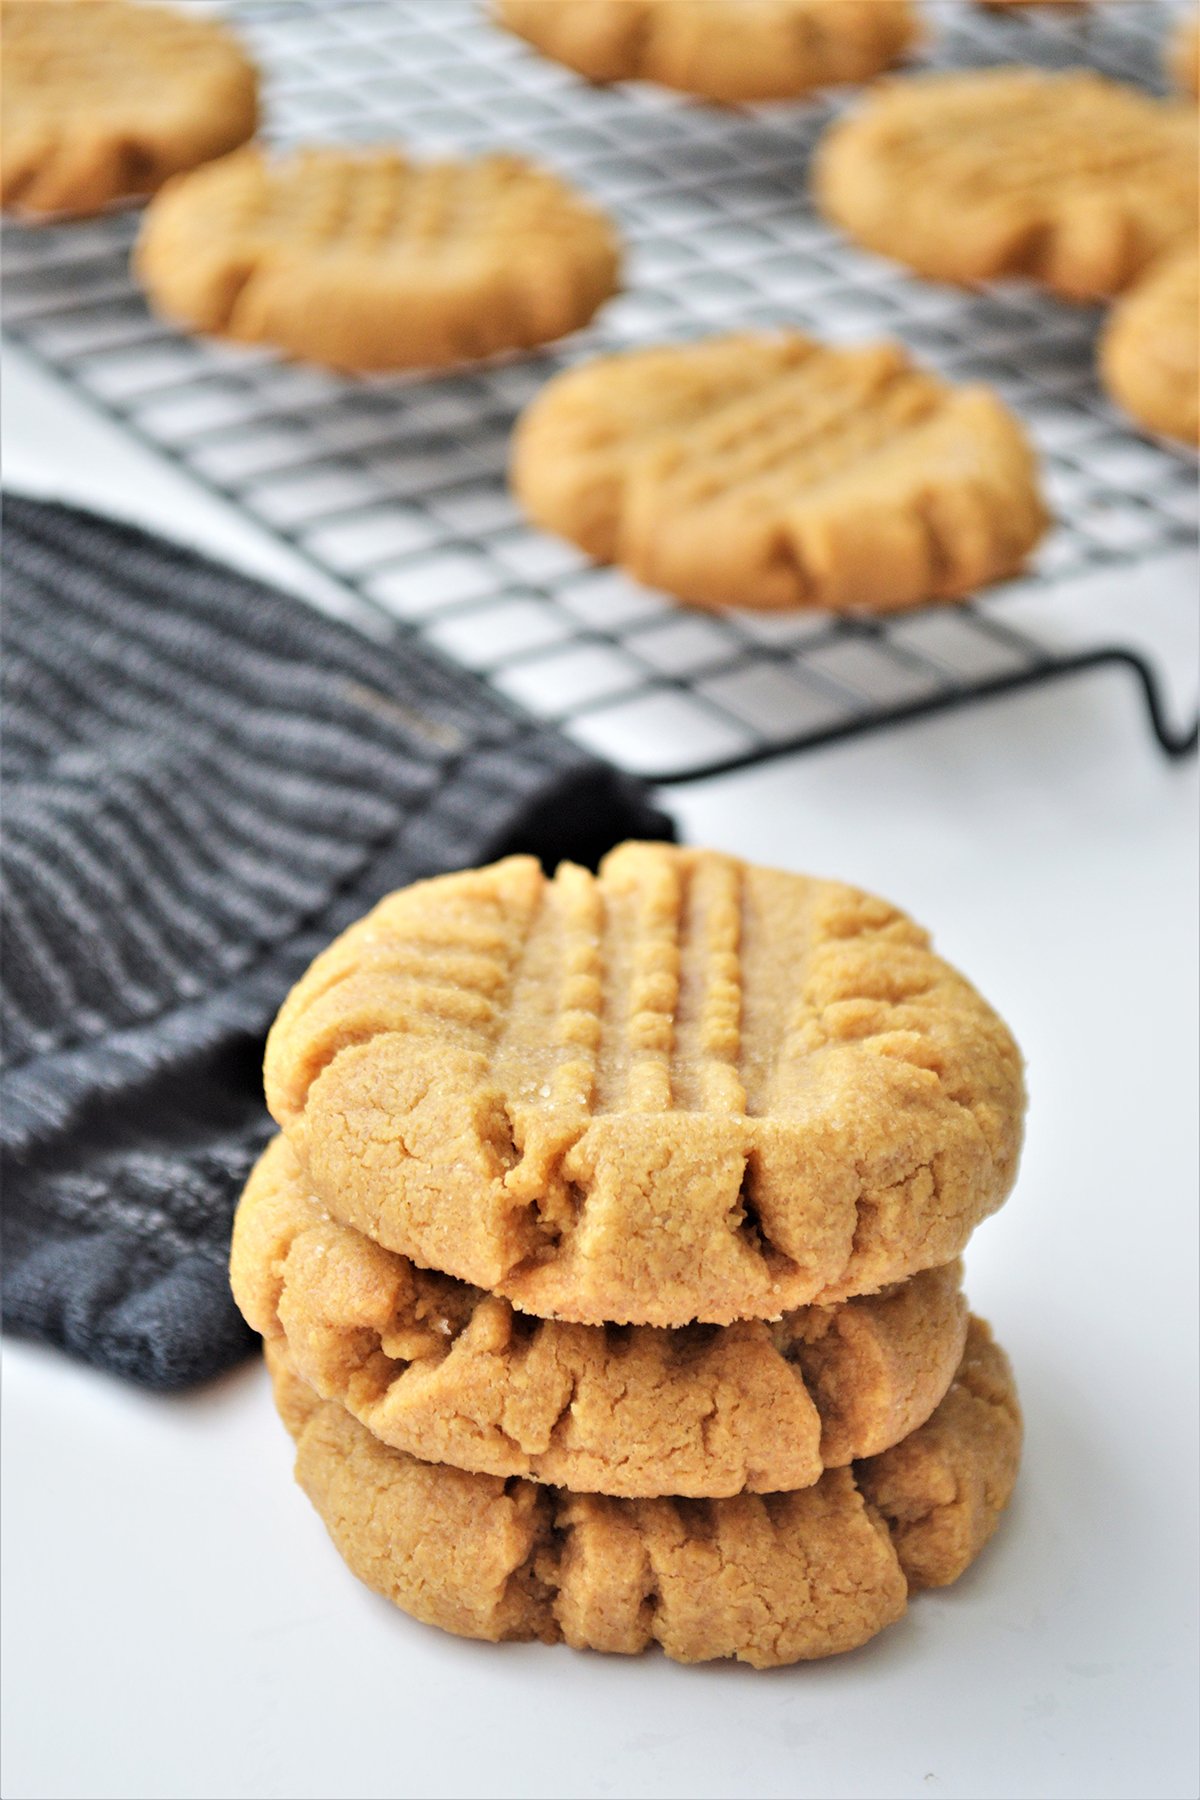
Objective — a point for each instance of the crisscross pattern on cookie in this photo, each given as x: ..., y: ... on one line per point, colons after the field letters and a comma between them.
x: 372, y: 261
x: 1071, y: 179
x: 102, y: 99
x: 769, y: 1579
x: 771, y: 471
x: 773, y: 1093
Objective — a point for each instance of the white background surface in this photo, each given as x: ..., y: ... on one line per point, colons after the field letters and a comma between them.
x: 176, y: 1623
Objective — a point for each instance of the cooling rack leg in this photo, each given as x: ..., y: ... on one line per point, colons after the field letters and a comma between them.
x: 1175, y: 744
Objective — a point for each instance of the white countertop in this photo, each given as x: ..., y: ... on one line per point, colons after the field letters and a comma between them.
x: 176, y: 1623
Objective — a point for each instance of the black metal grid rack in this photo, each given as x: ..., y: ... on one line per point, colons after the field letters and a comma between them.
x: 395, y: 486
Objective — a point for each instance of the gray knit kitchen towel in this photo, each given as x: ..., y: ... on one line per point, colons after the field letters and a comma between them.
x: 204, y: 781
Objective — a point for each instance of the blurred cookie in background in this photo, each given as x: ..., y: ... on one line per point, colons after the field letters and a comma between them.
x: 103, y: 101
x: 768, y: 470
x: 1150, y: 349
x: 722, y: 50
x: 364, y: 260
x: 1071, y: 180
x: 1183, y: 54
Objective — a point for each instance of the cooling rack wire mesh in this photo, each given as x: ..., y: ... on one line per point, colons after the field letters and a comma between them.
x: 395, y: 487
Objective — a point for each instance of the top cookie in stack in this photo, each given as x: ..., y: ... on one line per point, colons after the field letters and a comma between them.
x: 682, y: 1089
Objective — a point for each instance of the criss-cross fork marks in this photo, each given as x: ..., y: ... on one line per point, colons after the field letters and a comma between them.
x: 769, y: 470
x: 647, y: 991
x: 661, y: 1093
x: 751, y: 422
x: 1073, y: 180
x: 1042, y: 134
x: 55, y: 51
x: 443, y: 973
x: 789, y: 426
x: 103, y: 101
x: 363, y: 260
x: 670, y: 983
x: 381, y: 204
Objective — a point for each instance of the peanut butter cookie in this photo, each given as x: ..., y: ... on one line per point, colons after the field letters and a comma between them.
x: 1069, y: 179
x: 364, y: 260
x: 453, y: 1375
x: 102, y: 101
x: 723, y: 50
x: 684, y: 1089
x: 770, y: 471
x: 1184, y: 55
x: 1150, y: 349
x: 768, y: 1579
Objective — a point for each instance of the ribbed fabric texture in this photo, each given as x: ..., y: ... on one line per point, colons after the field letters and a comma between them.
x: 204, y: 781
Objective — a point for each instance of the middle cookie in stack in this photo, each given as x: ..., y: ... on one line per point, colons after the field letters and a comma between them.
x: 450, y: 1374
x: 695, y: 1147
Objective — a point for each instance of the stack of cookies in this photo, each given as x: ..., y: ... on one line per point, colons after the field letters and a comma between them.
x: 607, y: 1261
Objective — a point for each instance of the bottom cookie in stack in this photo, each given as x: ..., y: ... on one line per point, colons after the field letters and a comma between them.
x: 769, y: 1579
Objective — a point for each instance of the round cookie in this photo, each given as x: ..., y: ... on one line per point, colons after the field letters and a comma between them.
x: 453, y: 1375
x: 102, y: 101
x: 1183, y: 55
x: 365, y: 260
x: 767, y: 470
x: 1072, y: 180
x: 1150, y: 349
x: 684, y: 1089
x: 769, y: 1579
x: 729, y: 51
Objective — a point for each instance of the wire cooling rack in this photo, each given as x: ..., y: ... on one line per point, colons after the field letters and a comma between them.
x: 396, y: 486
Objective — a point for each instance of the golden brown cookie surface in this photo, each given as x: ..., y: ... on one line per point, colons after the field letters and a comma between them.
x: 1184, y: 55
x: 686, y: 1089
x: 103, y: 100
x: 723, y: 50
x: 1072, y: 180
x: 768, y: 1579
x: 1150, y: 349
x: 365, y: 260
x: 453, y: 1375
x: 768, y: 470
